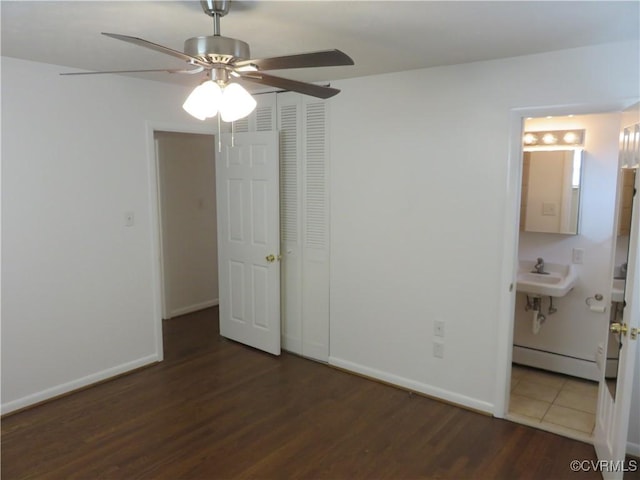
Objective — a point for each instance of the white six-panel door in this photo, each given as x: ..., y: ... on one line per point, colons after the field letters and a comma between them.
x: 247, y: 184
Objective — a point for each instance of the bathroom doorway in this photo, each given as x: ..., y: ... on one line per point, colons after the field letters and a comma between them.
x: 566, y: 220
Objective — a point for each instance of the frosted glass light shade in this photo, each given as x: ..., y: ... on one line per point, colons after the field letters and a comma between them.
x: 204, y: 101
x: 236, y: 103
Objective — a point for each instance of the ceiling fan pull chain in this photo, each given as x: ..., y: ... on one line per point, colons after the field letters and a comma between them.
x: 233, y: 134
x: 219, y: 134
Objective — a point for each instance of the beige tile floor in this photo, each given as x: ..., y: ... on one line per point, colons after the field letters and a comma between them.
x: 555, y: 402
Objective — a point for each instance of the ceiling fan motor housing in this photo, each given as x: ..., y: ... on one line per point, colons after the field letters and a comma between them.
x: 217, y: 49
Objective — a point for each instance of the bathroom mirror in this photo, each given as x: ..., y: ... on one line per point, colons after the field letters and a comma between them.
x: 625, y: 214
x: 551, y: 185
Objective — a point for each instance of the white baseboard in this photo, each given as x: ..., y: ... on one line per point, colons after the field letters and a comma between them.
x: 291, y: 344
x: 633, y: 449
x: 429, y: 390
x: 315, y: 351
x: 193, y: 308
x: 556, y: 363
x: 58, y: 390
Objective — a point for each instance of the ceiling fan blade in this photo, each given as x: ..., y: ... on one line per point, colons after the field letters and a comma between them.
x: 325, y: 58
x: 158, y: 48
x: 165, y: 70
x: 288, y: 84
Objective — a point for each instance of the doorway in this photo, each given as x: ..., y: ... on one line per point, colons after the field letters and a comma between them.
x: 512, y: 235
x: 187, y: 214
x: 566, y: 219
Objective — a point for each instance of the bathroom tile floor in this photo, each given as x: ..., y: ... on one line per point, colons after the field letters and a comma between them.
x: 554, y: 402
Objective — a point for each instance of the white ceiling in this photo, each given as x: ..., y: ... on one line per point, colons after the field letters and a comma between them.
x: 381, y: 36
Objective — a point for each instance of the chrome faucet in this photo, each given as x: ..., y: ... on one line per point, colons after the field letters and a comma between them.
x: 539, y: 267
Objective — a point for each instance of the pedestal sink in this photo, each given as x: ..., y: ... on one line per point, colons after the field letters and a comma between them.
x: 557, y: 281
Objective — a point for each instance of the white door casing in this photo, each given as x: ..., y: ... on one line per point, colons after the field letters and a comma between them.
x: 247, y: 184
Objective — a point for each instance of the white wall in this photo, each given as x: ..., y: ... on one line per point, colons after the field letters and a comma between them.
x: 574, y: 330
x: 78, y: 299
x: 418, y: 199
x: 186, y: 164
x: 419, y: 196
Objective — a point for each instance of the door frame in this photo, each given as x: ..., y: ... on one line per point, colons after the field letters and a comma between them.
x: 511, y: 233
x: 155, y: 219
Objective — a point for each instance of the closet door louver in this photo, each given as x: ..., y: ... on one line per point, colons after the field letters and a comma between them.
x: 262, y: 119
x: 289, y: 152
x: 315, y: 234
x: 290, y: 127
x: 315, y: 177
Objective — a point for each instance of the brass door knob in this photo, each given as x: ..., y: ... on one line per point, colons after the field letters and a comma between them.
x: 272, y: 258
x: 618, y: 328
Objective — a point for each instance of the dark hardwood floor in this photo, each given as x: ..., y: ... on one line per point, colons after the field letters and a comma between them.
x: 216, y: 409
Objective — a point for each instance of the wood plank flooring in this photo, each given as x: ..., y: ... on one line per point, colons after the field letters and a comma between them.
x: 215, y: 409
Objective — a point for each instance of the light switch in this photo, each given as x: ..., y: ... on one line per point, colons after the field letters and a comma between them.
x: 577, y: 255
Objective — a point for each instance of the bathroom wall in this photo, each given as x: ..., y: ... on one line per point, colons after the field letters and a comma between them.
x: 574, y: 330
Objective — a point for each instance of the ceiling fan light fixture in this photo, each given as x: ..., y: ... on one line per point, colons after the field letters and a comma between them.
x: 236, y: 103
x: 204, y: 101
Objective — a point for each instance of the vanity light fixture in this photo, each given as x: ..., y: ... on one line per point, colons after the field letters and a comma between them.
x: 553, y: 138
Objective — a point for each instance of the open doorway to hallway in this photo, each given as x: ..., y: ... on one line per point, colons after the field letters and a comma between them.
x: 187, y: 214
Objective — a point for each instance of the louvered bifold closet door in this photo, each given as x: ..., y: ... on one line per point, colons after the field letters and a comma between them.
x: 262, y: 119
x: 304, y: 225
x: 290, y: 127
x: 315, y: 230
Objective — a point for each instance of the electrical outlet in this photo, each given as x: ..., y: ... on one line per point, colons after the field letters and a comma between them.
x: 438, y: 328
x: 438, y: 349
x: 577, y: 255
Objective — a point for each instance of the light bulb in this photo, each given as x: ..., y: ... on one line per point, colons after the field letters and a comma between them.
x: 570, y: 137
x: 549, y: 138
x: 236, y: 103
x: 530, y: 138
x: 204, y: 101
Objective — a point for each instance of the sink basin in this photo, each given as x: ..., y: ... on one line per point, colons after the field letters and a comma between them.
x: 530, y: 277
x: 557, y: 281
x: 617, y: 292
